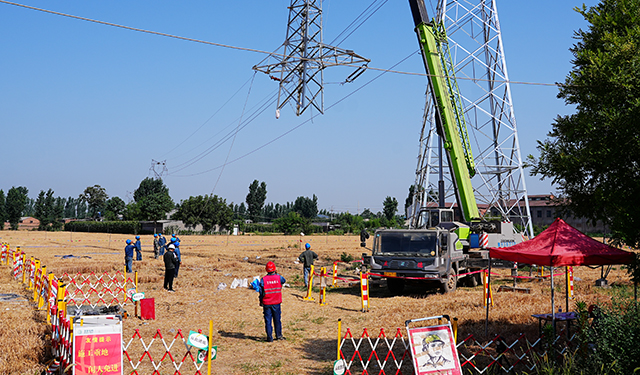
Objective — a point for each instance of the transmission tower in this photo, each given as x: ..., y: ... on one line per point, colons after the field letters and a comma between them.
x: 158, y: 168
x: 298, y: 64
x: 475, y: 44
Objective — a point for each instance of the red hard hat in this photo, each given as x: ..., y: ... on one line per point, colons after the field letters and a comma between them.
x: 271, y: 267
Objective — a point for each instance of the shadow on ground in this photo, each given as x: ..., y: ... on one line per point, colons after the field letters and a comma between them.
x: 240, y: 336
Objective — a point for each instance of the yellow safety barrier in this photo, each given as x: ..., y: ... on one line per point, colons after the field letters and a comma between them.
x: 310, y: 286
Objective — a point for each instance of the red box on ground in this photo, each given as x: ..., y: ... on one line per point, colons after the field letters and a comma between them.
x: 148, y: 309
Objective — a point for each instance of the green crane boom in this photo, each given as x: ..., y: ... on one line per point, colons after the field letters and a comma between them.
x: 450, y: 120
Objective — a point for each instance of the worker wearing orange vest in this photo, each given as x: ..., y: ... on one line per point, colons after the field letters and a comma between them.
x: 270, y: 300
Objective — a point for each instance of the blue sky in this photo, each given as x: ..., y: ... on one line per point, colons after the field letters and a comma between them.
x: 84, y: 104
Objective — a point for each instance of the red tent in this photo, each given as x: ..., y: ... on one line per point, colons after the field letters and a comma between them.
x: 562, y: 245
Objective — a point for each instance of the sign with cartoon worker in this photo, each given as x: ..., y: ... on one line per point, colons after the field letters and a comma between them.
x: 434, y: 351
x: 97, y: 346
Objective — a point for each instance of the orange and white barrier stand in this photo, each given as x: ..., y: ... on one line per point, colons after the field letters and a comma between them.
x: 484, y: 240
x: 570, y: 280
x: 335, y: 273
x: 487, y: 293
x: 322, y: 299
x: 364, y: 291
x: 541, y: 271
x: 310, y: 286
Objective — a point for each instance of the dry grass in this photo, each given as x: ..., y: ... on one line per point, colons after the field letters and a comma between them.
x: 311, y: 330
x: 22, y: 332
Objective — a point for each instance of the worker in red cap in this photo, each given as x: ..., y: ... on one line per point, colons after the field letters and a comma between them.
x: 270, y: 300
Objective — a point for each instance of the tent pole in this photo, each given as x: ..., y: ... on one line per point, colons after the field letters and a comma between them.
x: 567, y: 287
x: 553, y: 304
x: 486, y: 302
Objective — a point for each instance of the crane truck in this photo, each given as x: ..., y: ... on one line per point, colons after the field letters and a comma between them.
x: 439, y: 249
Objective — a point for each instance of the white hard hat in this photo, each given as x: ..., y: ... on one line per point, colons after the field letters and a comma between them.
x: 172, y: 246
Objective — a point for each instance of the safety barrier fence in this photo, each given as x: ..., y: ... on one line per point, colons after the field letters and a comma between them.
x: 367, y: 354
x: 159, y: 354
x: 98, y: 289
x: 165, y: 355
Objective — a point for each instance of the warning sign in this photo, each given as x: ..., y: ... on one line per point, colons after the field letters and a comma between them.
x: 97, y: 346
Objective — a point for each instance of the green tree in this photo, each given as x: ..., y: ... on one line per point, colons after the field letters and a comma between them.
x: 208, y: 211
x: 15, y: 204
x: 409, y: 201
x: 132, y: 212
x: 293, y: 223
x: 390, y: 206
x: 29, y: 207
x: 3, y: 210
x: 58, y: 213
x: 41, y: 210
x: 593, y: 155
x: 81, y: 209
x: 367, y: 214
x: 255, y: 199
x: 306, y: 207
x: 152, y: 199
x: 70, y: 208
x: 49, y: 210
x: 96, y: 198
x: 113, y: 208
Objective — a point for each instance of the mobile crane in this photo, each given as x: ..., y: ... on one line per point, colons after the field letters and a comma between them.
x: 439, y: 248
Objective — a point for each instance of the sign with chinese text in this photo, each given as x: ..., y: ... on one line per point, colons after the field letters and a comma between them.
x: 97, y: 345
x: 434, y: 351
x: 198, y: 340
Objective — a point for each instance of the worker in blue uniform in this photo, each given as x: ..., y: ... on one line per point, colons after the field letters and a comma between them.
x: 138, y: 247
x: 128, y: 256
x: 162, y: 242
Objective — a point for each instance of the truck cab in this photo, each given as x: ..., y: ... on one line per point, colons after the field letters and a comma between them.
x: 416, y: 255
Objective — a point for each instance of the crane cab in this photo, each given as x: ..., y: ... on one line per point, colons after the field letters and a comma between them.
x: 432, y: 217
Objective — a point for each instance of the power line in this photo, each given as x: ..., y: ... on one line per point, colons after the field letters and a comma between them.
x: 209, y: 119
x: 136, y: 29
x: 297, y: 126
x: 257, y: 50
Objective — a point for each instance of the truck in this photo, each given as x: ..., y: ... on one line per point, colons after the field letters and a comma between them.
x: 441, y: 255
x: 438, y: 249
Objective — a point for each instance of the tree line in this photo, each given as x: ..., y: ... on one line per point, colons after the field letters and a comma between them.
x: 152, y: 202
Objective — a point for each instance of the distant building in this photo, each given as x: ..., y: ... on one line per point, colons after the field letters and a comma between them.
x: 25, y: 223
x: 543, y: 212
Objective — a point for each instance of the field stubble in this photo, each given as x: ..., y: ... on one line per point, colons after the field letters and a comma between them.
x: 310, y: 329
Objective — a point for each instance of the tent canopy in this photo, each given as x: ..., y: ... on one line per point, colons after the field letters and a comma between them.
x: 562, y: 245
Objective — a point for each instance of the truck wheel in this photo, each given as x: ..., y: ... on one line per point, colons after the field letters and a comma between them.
x: 395, y: 286
x: 451, y: 283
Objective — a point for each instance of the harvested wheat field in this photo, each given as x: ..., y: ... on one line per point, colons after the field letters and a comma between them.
x: 310, y: 330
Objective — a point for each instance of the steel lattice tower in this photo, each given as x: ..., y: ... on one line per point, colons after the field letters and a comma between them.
x: 299, y: 67
x: 475, y: 44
